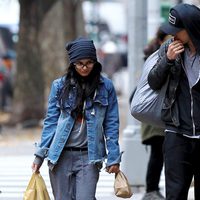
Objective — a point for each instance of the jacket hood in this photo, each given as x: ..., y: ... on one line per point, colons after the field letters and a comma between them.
x: 190, y: 17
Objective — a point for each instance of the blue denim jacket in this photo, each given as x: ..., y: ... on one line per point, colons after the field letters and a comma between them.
x: 102, y: 119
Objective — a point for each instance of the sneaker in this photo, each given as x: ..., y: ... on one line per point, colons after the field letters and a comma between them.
x: 155, y: 195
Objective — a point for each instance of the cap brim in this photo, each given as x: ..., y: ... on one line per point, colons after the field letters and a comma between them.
x: 170, y: 29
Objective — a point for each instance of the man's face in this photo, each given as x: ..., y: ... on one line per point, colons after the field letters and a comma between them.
x: 182, y: 36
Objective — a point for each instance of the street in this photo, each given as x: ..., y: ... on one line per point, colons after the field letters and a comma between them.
x: 16, y: 156
x: 15, y: 172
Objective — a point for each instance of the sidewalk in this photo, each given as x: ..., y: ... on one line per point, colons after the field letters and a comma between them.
x: 16, y: 154
x: 16, y: 142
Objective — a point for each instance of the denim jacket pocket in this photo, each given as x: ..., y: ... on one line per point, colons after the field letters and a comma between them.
x: 100, y: 106
x: 102, y: 100
x: 66, y: 108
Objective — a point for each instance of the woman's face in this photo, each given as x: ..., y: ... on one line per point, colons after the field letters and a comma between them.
x: 84, y: 66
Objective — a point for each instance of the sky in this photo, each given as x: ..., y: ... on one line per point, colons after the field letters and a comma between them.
x: 9, y: 13
x: 114, y: 13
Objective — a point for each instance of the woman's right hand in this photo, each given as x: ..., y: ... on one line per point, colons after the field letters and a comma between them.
x: 35, y: 167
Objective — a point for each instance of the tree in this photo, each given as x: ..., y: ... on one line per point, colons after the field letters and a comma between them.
x: 29, y: 93
x: 63, y: 23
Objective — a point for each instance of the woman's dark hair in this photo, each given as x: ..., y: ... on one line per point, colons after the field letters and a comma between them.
x: 85, y: 87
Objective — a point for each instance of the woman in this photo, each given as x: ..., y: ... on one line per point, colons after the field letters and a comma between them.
x: 81, y: 127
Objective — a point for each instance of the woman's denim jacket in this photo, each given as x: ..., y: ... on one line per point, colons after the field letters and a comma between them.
x: 102, y: 119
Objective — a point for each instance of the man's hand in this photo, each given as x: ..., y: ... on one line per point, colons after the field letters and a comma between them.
x: 174, y: 49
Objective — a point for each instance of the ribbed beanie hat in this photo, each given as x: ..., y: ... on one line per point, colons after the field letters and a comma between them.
x: 81, y: 48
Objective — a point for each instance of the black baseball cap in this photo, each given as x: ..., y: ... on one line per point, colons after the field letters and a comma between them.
x: 174, y: 24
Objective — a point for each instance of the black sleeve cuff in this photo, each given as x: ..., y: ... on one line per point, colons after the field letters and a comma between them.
x: 170, y: 62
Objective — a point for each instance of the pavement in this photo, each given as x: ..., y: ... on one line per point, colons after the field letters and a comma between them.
x: 16, y: 156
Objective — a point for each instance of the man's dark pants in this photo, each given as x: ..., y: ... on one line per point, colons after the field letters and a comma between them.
x: 182, y: 162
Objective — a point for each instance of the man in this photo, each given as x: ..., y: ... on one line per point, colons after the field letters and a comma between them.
x: 179, y: 60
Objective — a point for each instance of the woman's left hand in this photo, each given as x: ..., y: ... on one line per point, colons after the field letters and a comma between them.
x: 113, y: 169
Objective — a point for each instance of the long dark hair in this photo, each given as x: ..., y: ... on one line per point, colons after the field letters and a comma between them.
x: 85, y: 87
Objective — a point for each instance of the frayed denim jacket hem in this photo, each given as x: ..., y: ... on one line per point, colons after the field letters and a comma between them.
x: 102, y: 120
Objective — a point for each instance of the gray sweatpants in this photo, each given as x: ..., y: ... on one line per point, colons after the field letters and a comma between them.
x: 73, y: 178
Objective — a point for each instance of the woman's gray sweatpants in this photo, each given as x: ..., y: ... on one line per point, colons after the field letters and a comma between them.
x: 73, y: 178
